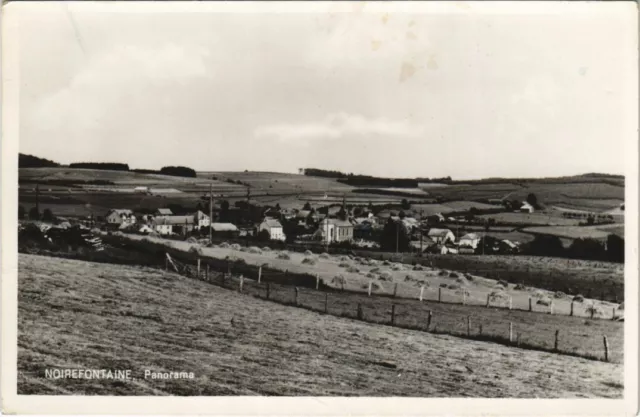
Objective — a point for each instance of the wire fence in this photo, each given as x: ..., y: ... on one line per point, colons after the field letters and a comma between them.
x: 529, y: 329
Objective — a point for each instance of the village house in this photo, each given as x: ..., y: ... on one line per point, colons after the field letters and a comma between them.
x: 201, y: 220
x: 228, y: 230
x: 469, y: 240
x: 273, y: 227
x: 163, y: 212
x: 441, y: 236
x: 141, y: 189
x: 527, y: 208
x: 173, y: 224
x: 118, y: 217
x: 335, y: 230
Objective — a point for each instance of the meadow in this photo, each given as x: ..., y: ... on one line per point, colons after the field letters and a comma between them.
x: 75, y: 314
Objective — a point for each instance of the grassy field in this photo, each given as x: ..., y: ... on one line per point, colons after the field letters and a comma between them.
x: 570, y: 232
x: 543, y: 219
x: 75, y: 314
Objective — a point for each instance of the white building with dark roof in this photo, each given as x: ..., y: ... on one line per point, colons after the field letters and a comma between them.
x: 274, y: 227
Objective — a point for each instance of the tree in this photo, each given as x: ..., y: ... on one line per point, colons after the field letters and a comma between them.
x: 591, y: 219
x: 264, y: 235
x: 402, y: 214
x: 34, y: 214
x: 405, y: 204
x: 47, y: 215
x: 21, y: 212
x: 342, y: 214
x: 290, y: 229
x: 615, y: 248
x: 224, y: 211
x: 278, y: 206
x: 532, y: 200
x: 587, y: 248
x: 307, y: 206
x: 394, y: 233
x: 545, y: 245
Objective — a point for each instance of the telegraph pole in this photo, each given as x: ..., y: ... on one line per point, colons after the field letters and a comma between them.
x: 420, y: 230
x: 397, y: 233
x: 210, y: 212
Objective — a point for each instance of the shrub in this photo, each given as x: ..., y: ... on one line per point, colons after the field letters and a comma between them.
x: 559, y: 294
x: 325, y: 255
x: 409, y: 277
x: 343, y: 259
x: 243, y: 249
x: 594, y: 310
x: 344, y: 264
x: 224, y: 245
x: 578, y: 298
x: 376, y: 286
x: 308, y: 253
x: 443, y: 285
x: 266, y: 249
x: 453, y: 275
x: 418, y: 267
x: 339, y: 280
x: 521, y: 287
x: 283, y: 255
x: 469, y: 277
x: 192, y: 240
x: 375, y: 270
x: 503, y: 283
x: 498, y: 294
x: 236, y: 246
x: 254, y: 249
x: 386, y: 263
x: 454, y: 286
x: 397, y: 267
x: 442, y: 273
x: 353, y: 269
x: 461, y: 281
x: 370, y: 275
x: 309, y: 261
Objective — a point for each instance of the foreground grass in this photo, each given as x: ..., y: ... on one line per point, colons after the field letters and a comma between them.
x: 85, y: 315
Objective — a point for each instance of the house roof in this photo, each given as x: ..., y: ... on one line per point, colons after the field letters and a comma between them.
x: 164, y: 211
x: 303, y: 213
x: 470, y: 236
x: 173, y: 220
x: 337, y: 222
x: 271, y: 223
x: 224, y: 227
x: 439, y: 232
x: 125, y: 212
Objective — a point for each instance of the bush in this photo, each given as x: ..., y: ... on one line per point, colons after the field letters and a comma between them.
x: 559, y: 294
x: 224, y: 245
x: 461, y: 281
x: 344, y: 264
x: 325, y: 255
x: 309, y: 261
x: 521, y: 287
x: 498, y: 294
x: 308, y: 253
x: 339, y: 280
x: 370, y: 275
x: 397, y: 267
x: 503, y: 283
x: 353, y: 269
x: 418, y: 267
x: 594, y: 310
x: 442, y: 273
x: 409, y: 277
x: 375, y: 270
x: 578, y: 298
x: 443, y: 285
x: 544, y: 302
x: 386, y: 276
x: 266, y: 249
x: 386, y: 263
x: 468, y: 277
x: 283, y: 255
x: 453, y: 275
x: 236, y: 246
x: 255, y: 249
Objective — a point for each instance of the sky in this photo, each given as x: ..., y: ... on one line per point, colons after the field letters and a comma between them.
x: 458, y: 90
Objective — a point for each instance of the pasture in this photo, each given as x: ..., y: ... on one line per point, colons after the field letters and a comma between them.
x: 75, y: 314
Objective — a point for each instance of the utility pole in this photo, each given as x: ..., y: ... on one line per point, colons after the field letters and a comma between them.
x: 397, y: 233
x: 420, y: 229
x: 38, y: 200
x: 210, y: 212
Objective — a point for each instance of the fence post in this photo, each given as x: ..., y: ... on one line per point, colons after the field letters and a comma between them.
x: 530, y: 305
x: 369, y: 291
x: 510, y: 302
x: 229, y: 267
x: 555, y: 341
x: 421, y: 292
x: 510, y: 332
x: 613, y: 313
x: 488, y: 299
x: 429, y: 320
x: 571, y: 312
x: 551, y: 307
x: 317, y: 281
x: 393, y: 314
x: 268, y: 290
x: 468, y: 325
x: 198, y: 268
x: 439, y: 294
x: 295, y: 300
x: 241, y: 282
x: 166, y: 264
x: 395, y: 289
x: 593, y: 310
x: 606, y: 348
x: 359, y: 312
x: 259, y: 274
x: 326, y: 302
x: 207, y: 272
x: 480, y: 330
x: 518, y: 339
x: 464, y: 296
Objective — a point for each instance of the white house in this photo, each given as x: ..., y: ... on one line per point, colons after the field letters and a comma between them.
x: 163, y: 212
x: 335, y: 230
x: 441, y: 236
x: 141, y: 189
x: 469, y: 240
x: 201, y: 220
x: 274, y: 228
x: 120, y: 217
x: 527, y: 208
x: 145, y: 229
x: 162, y: 225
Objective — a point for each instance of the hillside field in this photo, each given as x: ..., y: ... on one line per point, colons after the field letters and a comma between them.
x: 75, y: 314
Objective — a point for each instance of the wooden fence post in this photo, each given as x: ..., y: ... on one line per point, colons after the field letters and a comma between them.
x: 259, y: 274
x: 317, y: 281
x: 510, y: 303
x: 518, y: 339
x: 439, y: 294
x: 510, y: 332
x: 613, y: 313
x: 468, y: 325
x: 268, y: 290
x: 606, y: 348
x: 421, y: 292
x: 488, y: 300
x: 326, y: 302
x: 229, y: 267
x: 166, y: 264
x: 369, y: 290
x: 395, y: 289
x: 480, y: 330
x: 241, y: 282
x: 207, y: 272
x: 551, y: 307
x: 393, y: 314
x: 530, y: 305
x: 359, y: 311
x: 555, y: 342
x: 571, y: 312
x: 295, y: 300
x: 464, y: 296
x: 429, y: 320
x: 198, y: 268
x: 593, y: 310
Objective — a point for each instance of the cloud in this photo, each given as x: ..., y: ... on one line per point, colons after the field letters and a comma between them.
x: 339, y: 126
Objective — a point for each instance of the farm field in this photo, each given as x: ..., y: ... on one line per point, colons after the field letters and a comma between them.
x: 109, y: 316
x: 358, y: 275
x: 570, y: 232
x: 542, y: 219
